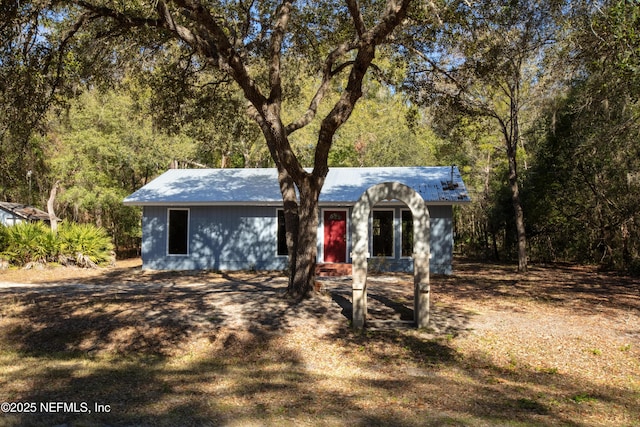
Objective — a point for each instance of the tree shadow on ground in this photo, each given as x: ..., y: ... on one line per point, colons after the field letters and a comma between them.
x: 125, y: 316
x: 249, y: 380
x: 390, y: 305
x: 582, y: 287
x: 201, y: 348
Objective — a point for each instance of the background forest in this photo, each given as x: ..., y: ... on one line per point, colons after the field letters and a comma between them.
x: 538, y: 103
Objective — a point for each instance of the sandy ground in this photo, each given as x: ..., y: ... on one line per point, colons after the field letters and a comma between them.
x: 557, y: 337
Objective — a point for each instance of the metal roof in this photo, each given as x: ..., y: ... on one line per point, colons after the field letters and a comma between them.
x: 25, y: 212
x: 343, y: 186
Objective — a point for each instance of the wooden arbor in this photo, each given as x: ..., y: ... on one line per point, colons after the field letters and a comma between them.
x: 360, y: 253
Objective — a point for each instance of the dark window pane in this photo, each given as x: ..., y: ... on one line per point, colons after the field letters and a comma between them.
x: 407, y: 233
x: 382, y: 233
x: 282, y: 236
x: 178, y: 232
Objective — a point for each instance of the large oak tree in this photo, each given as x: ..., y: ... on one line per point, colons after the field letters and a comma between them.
x: 251, y: 42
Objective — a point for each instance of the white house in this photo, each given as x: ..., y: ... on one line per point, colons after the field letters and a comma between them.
x: 16, y: 213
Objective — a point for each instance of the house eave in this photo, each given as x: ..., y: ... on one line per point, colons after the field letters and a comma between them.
x: 33, y: 214
x: 170, y: 203
x: 18, y: 214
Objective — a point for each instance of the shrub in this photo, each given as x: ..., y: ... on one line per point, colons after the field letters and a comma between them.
x: 29, y: 243
x: 84, y: 245
x: 4, y: 238
x: 4, y: 241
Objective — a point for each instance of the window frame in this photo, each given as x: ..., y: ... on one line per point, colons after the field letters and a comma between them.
x: 393, y: 233
x: 188, y: 231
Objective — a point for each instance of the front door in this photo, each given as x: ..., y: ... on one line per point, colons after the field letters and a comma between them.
x: 335, y: 236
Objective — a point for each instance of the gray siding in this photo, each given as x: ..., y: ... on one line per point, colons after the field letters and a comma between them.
x: 220, y: 238
x: 243, y: 238
x: 441, y: 244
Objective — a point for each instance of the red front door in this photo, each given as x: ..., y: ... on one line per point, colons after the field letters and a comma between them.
x: 335, y: 236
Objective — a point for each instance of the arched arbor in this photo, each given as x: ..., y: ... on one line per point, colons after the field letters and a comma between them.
x: 360, y: 253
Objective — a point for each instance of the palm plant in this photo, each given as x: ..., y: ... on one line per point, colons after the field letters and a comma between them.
x: 29, y: 243
x: 84, y: 245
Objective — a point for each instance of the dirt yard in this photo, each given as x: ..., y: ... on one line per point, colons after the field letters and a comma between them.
x: 121, y: 346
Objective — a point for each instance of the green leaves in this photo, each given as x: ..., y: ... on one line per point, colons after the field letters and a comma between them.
x: 104, y: 149
x: 385, y: 131
x: 584, y: 202
x: 83, y: 245
x: 28, y: 243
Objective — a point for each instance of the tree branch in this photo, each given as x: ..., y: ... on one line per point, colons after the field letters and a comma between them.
x: 328, y: 73
x: 275, y: 81
x: 123, y: 19
x: 169, y: 23
x: 60, y: 62
x: 246, y: 24
x: 394, y: 13
x: 358, y: 22
x: 436, y: 68
x: 217, y: 47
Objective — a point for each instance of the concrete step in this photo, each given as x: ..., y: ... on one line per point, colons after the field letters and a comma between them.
x: 333, y: 269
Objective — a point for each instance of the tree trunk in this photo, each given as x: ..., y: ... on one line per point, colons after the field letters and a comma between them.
x: 300, y: 216
x: 291, y: 221
x: 496, y: 252
x: 53, y: 219
x: 512, y: 138
x: 517, y: 207
x: 303, y: 278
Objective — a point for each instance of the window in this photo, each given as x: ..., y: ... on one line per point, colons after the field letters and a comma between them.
x: 382, y: 233
x: 178, y: 240
x: 282, y: 235
x: 407, y: 233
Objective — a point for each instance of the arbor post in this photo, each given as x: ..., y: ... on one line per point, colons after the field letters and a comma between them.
x: 359, y: 262
x: 421, y: 289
